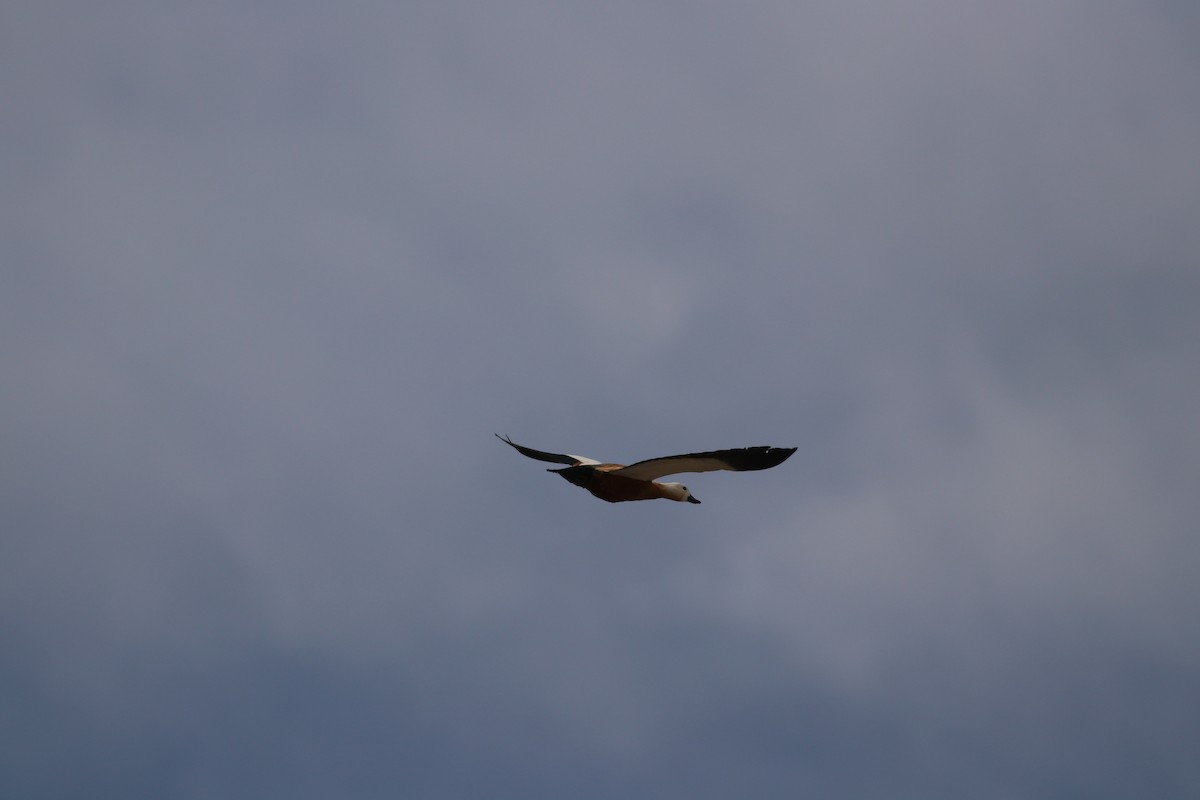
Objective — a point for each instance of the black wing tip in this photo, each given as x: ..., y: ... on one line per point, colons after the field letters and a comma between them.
x: 511, y: 444
x: 755, y: 458
x: 778, y: 455
x: 538, y: 455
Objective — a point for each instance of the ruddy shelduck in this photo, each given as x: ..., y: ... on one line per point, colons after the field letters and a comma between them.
x: 618, y: 483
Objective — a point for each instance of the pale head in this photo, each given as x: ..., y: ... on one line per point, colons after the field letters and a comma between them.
x: 677, y: 491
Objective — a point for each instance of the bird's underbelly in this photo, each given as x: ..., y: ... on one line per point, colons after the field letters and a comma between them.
x: 610, y: 487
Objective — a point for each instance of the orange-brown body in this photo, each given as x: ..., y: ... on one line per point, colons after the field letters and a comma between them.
x: 601, y: 482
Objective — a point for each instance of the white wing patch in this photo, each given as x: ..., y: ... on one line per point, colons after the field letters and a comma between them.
x: 742, y: 459
x: 672, y: 465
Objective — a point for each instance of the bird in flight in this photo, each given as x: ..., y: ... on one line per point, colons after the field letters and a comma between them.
x: 618, y: 483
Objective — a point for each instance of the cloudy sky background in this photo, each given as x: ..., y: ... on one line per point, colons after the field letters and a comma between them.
x: 271, y: 275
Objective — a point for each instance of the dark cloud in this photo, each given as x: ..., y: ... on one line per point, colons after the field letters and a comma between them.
x: 274, y: 275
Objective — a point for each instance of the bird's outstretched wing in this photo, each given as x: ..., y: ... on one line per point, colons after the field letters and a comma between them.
x: 742, y: 459
x: 553, y: 458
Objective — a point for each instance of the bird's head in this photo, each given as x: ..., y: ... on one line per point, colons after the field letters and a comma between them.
x: 677, y: 491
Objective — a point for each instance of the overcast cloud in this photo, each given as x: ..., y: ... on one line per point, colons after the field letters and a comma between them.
x: 271, y: 275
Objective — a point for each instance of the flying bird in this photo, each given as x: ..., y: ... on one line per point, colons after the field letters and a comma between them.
x: 618, y: 483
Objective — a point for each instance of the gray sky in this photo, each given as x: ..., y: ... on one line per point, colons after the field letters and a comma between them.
x: 273, y: 274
